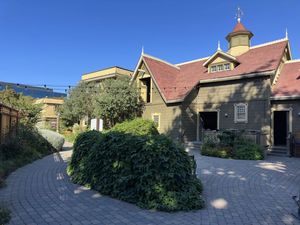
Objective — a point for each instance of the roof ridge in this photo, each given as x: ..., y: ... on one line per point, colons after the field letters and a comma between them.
x: 158, y: 59
x: 269, y: 43
x: 192, y: 61
x: 292, y: 61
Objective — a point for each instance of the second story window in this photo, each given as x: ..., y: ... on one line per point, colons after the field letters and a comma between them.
x: 146, y: 89
x: 220, y: 67
x: 226, y: 66
x: 213, y: 69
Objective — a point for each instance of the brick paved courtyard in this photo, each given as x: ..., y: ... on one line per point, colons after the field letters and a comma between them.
x: 236, y: 192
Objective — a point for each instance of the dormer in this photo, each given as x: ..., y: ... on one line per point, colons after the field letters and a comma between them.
x: 220, y: 61
x: 239, y: 40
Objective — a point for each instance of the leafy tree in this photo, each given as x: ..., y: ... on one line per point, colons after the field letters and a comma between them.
x: 117, y: 101
x: 28, y: 111
x: 78, y: 104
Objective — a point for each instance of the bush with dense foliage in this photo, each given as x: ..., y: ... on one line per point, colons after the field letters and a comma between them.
x: 149, y: 170
x: 82, y: 146
x: 4, y: 215
x: 231, y: 144
x: 54, y: 138
x: 137, y: 126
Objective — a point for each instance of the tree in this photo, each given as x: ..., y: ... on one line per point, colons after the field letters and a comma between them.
x: 28, y: 111
x: 117, y: 101
x: 78, y: 104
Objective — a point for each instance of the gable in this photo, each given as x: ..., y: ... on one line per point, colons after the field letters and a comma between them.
x: 288, y: 83
x: 218, y: 57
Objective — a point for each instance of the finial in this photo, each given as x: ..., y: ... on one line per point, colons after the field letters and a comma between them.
x: 142, y: 50
x: 239, y: 14
x: 219, y: 46
x: 286, y: 34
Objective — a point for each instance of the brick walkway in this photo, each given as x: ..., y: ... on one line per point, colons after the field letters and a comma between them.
x: 236, y: 192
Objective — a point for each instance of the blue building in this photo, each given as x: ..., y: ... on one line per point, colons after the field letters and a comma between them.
x: 33, y: 91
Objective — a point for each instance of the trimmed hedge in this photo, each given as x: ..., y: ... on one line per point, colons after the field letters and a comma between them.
x: 148, y: 170
x: 231, y: 145
x: 54, y: 138
x: 137, y: 126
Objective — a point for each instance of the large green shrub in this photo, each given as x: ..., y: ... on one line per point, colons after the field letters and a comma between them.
x: 54, y: 138
x: 83, y: 144
x: 148, y: 170
x: 230, y: 144
x: 246, y: 149
x: 137, y: 126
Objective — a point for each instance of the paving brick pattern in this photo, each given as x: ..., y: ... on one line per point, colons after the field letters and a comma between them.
x: 236, y: 193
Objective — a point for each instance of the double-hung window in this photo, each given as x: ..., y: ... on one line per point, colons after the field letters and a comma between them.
x: 241, y: 113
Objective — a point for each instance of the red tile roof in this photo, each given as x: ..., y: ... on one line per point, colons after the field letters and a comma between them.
x: 176, y: 81
x: 288, y: 83
x: 239, y: 27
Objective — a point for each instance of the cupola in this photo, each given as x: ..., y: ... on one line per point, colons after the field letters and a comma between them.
x: 239, y: 39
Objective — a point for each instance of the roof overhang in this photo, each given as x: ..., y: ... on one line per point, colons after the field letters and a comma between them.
x: 287, y: 97
x: 245, y: 76
x: 232, y: 34
x: 100, y: 77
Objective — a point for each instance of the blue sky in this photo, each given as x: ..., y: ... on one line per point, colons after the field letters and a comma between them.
x: 55, y: 42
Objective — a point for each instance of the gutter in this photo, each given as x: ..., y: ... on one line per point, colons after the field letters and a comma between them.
x: 291, y: 97
x: 247, y: 76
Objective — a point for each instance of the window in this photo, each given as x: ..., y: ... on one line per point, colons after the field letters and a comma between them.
x: 241, y: 113
x: 220, y: 67
x: 213, y: 69
x: 227, y: 66
x: 156, y: 119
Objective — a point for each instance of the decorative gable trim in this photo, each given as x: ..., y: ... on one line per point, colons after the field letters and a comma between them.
x: 217, y: 53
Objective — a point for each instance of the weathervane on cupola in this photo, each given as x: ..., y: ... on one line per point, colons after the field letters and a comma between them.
x: 239, y: 14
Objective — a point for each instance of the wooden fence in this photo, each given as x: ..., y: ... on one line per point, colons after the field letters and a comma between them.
x: 9, y: 119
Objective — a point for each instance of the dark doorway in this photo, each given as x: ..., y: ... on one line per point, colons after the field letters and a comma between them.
x: 147, y: 85
x: 280, y: 128
x: 209, y: 120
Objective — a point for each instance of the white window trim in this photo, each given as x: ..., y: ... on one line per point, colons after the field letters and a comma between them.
x: 156, y: 114
x: 217, y: 67
x: 225, y: 66
x: 214, y: 71
x: 236, y: 120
